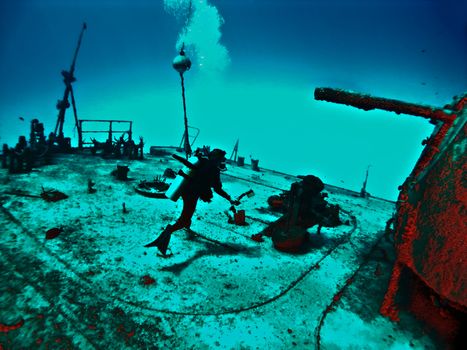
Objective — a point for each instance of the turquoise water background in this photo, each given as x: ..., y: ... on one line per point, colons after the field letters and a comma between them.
x: 255, y: 67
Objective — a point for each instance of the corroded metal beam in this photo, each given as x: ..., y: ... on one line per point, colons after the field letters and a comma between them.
x: 368, y: 102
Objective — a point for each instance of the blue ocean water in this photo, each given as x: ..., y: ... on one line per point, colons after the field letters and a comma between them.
x: 255, y: 66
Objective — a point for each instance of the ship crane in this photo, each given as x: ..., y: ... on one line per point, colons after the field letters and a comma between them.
x: 63, y: 104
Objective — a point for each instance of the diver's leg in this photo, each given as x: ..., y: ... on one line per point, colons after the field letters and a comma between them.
x: 189, y: 206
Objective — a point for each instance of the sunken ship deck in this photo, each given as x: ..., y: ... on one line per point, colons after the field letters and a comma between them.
x: 95, y: 286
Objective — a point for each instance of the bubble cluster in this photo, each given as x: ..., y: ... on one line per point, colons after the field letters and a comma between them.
x: 201, y: 33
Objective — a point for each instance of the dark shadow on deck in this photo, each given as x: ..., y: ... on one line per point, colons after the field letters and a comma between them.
x: 213, y: 249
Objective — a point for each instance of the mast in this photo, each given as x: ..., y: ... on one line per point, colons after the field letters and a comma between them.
x: 63, y: 104
x: 181, y: 64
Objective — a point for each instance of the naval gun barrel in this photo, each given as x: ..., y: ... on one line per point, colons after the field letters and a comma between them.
x: 368, y: 102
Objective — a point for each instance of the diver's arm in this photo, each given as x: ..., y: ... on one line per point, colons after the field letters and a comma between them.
x: 220, y: 191
x: 223, y: 194
x: 216, y: 184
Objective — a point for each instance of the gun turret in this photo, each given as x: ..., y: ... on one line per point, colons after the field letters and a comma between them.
x: 429, y: 227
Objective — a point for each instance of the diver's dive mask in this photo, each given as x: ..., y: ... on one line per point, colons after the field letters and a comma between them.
x: 217, y: 155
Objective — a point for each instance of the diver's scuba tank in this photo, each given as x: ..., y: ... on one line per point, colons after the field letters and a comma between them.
x: 190, y: 165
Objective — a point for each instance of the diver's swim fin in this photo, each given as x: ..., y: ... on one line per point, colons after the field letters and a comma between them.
x: 161, y: 242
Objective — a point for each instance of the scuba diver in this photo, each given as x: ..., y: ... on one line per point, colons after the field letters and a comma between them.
x: 205, y: 175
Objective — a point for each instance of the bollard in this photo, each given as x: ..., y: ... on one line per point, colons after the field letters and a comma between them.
x: 254, y: 164
x: 122, y: 172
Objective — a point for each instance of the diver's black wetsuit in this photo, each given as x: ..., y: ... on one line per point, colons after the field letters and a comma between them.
x: 205, y: 176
